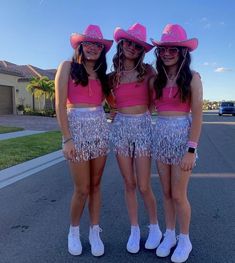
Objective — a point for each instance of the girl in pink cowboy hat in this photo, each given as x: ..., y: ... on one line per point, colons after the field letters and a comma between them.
x: 178, y: 102
x: 131, y: 128
x: 80, y: 87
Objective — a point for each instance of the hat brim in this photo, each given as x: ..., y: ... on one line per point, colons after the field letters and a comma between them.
x: 122, y: 34
x: 76, y: 39
x: 191, y: 44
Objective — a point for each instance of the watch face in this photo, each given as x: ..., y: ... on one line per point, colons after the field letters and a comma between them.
x: 191, y: 150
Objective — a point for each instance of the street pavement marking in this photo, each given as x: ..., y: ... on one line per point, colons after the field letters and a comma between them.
x: 206, y: 175
x: 219, y: 122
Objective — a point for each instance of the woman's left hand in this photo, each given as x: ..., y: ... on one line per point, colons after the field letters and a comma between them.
x: 188, y: 161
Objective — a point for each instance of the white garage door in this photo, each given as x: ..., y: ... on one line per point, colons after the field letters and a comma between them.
x: 6, y: 102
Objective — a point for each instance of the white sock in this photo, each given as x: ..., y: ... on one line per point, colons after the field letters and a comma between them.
x: 156, y: 226
x: 170, y: 232
x: 94, y: 226
x: 135, y: 228
x: 185, y: 237
x: 73, y: 229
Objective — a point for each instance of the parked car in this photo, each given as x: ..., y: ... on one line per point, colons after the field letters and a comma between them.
x: 226, y: 107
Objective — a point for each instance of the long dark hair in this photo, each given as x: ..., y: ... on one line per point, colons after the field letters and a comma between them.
x: 79, y: 74
x: 119, y: 66
x: 184, y: 78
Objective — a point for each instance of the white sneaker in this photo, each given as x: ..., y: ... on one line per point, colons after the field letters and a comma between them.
x: 168, y: 242
x: 74, y: 243
x: 154, y: 237
x: 133, y: 244
x: 183, y: 249
x: 97, y: 246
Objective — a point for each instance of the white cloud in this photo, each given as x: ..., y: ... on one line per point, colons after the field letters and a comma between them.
x: 222, y: 69
x: 207, y: 26
x: 205, y: 23
x: 204, y: 19
x: 216, y: 68
x: 210, y: 64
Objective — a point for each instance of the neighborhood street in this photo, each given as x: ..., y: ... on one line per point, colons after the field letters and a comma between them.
x: 34, y: 217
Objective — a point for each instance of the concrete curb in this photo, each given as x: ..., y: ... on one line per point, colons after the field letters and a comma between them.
x: 13, y: 174
x: 11, y: 135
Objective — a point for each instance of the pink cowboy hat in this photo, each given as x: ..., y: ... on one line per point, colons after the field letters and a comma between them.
x: 92, y: 34
x: 135, y: 33
x: 175, y: 35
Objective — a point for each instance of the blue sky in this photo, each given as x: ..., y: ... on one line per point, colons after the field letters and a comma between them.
x: 37, y: 32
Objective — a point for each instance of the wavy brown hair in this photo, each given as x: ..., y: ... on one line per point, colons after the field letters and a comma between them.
x: 184, y: 77
x: 118, y: 66
x: 79, y: 74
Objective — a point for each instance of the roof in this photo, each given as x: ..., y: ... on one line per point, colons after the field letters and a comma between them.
x: 25, y: 72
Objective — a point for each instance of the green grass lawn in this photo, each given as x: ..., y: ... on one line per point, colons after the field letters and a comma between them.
x: 4, y: 129
x: 18, y: 150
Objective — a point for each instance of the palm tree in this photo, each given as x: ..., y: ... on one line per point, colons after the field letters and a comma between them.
x: 42, y: 86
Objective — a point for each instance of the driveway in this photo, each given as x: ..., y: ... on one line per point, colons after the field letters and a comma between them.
x: 37, y: 123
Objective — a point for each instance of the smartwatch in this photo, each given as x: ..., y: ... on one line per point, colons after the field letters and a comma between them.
x: 191, y: 150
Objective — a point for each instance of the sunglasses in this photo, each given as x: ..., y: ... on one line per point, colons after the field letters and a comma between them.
x: 172, y: 51
x: 93, y: 44
x: 128, y: 43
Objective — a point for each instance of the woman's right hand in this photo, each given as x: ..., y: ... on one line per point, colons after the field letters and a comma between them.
x: 69, y: 151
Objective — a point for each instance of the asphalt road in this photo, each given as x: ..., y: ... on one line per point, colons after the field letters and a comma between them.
x: 34, y: 215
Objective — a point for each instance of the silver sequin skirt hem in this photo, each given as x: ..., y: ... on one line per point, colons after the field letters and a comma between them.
x: 131, y: 135
x: 90, y: 132
x: 169, y: 139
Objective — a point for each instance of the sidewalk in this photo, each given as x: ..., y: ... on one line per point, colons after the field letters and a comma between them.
x: 10, y: 135
x: 13, y: 174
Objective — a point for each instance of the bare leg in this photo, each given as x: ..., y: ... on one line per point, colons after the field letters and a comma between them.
x: 97, y: 168
x: 180, y: 181
x: 126, y: 168
x: 143, y: 171
x: 80, y: 174
x: 169, y: 208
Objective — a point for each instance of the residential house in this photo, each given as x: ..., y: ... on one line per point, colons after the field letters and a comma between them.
x: 13, y: 82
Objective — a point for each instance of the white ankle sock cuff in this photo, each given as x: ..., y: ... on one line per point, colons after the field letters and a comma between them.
x: 184, y: 236
x: 135, y: 226
x: 73, y: 228
x: 154, y: 226
x: 170, y: 231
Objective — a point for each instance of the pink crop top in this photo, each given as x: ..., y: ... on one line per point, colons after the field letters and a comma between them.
x: 91, y: 94
x: 131, y: 94
x: 170, y: 102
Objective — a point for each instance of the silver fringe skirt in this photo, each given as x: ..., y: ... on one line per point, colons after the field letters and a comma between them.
x: 90, y: 132
x: 131, y: 135
x: 170, y: 137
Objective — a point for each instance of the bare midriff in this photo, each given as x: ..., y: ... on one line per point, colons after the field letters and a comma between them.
x: 172, y: 113
x: 82, y: 105
x: 138, y: 109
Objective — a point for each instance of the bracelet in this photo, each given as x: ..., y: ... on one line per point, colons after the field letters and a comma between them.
x: 192, y: 144
x: 67, y: 140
